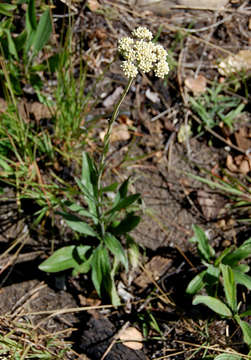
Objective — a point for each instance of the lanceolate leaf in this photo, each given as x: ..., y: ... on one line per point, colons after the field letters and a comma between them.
x: 122, y: 192
x: 43, y: 32
x: 116, y: 249
x: 6, y: 9
x: 97, y: 269
x: 246, y: 330
x: 124, y: 203
x: 227, y: 357
x: 31, y: 16
x: 214, y: 304
x: 242, y: 279
x: 78, y: 225
x: 127, y: 224
x: 61, y: 259
x: 203, y: 246
x: 229, y: 286
x: 89, y: 180
x: 239, y: 254
x: 197, y: 283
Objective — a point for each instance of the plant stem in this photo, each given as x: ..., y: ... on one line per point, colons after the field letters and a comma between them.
x: 106, y: 149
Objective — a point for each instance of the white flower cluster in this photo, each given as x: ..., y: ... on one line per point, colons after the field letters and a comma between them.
x: 142, y: 54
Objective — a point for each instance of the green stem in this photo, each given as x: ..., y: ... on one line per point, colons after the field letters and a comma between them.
x: 106, y: 149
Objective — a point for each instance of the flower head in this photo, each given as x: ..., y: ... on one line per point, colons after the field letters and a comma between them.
x: 142, y: 33
x: 142, y: 54
x: 130, y: 70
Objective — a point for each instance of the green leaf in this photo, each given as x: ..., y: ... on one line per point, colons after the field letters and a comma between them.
x: 110, y: 188
x: 31, y: 16
x: 43, y: 32
x: 214, y: 304
x: 124, y: 203
x: 78, y: 225
x: 83, y: 268
x: 223, y: 255
x: 244, y: 268
x: 82, y: 250
x: 101, y: 270
x: 127, y: 224
x: 227, y: 357
x: 229, y: 286
x: 123, y: 189
x: 197, y: 283
x: 242, y: 279
x: 89, y: 180
x: 113, y: 294
x: 77, y: 208
x: 213, y: 271
x: 6, y: 9
x: 203, y: 246
x: 246, y: 330
x: 116, y: 249
x: 239, y: 254
x: 61, y: 259
x: 97, y: 269
x: 11, y: 44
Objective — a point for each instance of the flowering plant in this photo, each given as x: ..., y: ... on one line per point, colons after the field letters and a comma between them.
x: 108, y: 222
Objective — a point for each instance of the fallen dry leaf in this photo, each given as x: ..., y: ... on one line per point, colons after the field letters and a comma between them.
x: 235, y: 63
x: 153, y: 96
x: 239, y: 164
x: 197, y: 85
x: 111, y: 99
x: 156, y: 268
x: 119, y: 133
x: 243, y: 138
x: 93, y: 5
x: 211, y: 204
x: 132, y: 338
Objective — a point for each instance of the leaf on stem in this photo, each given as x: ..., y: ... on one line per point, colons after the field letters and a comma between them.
x: 214, y: 304
x: 229, y: 286
x: 78, y: 225
x: 204, y: 248
x: 62, y: 259
x: 116, y: 249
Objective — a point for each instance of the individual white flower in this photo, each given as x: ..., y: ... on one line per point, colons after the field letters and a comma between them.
x: 142, y: 33
x: 161, y: 69
x: 129, y: 69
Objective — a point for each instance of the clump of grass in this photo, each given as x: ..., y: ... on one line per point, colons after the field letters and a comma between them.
x: 22, y: 340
